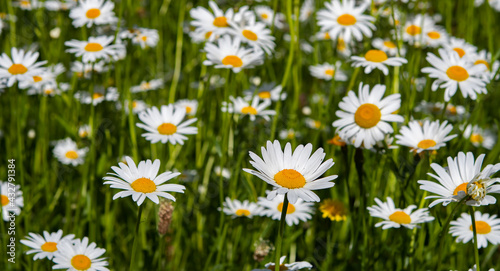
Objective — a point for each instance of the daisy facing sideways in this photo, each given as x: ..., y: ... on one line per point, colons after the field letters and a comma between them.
x: 377, y: 59
x: 463, y: 178
x: 480, y: 137
x: 93, y: 12
x: 79, y: 255
x: 364, y: 119
x: 452, y: 72
x: 425, y: 137
x: 292, y: 173
x: 328, y: 71
x: 96, y: 48
x: 295, y: 212
x: 45, y: 246
x: 10, y: 204
x: 68, y: 153
x: 487, y: 228
x: 236, y: 208
x: 22, y: 66
x: 252, y: 109
x: 286, y: 266
x: 266, y: 91
x: 395, y: 217
x: 142, y: 181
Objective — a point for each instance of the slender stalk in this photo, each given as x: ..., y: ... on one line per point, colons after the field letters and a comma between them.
x: 443, y: 232
x: 279, y: 239
x: 178, y: 54
x: 133, y: 259
x: 474, y: 229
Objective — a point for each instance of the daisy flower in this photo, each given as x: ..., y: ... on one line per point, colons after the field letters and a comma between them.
x: 345, y: 19
x: 387, y: 46
x: 166, y: 125
x: 207, y: 22
x: 84, y: 131
x: 147, y: 86
x: 67, y: 152
x: 27, y: 4
x: 255, y: 34
x: 463, y: 177
x: 314, y: 124
x: 45, y: 246
x: 294, y: 174
x: 252, y: 109
x: 484, y: 58
x: 45, y: 77
x: 435, y: 37
x: 137, y: 106
x: 333, y: 209
x: 85, y: 69
x: 487, y: 228
x: 306, y: 10
x: 413, y: 29
x: 480, y: 137
x: 229, y: 54
x: 286, y: 266
x: 11, y: 205
x: 191, y: 106
x: 377, y: 59
x: 93, y: 12
x: 146, y: 38
x: 224, y: 172
x: 289, y: 134
x: 365, y: 119
x: 267, y: 15
x: 100, y: 95
x: 395, y: 217
x: 79, y: 255
x: 21, y: 67
x: 295, y: 212
x: 96, y: 48
x: 426, y: 137
x: 452, y: 72
x: 460, y: 46
x: 236, y: 208
x: 267, y: 91
x: 328, y: 71
x: 49, y: 89
x: 57, y: 5
x: 142, y: 181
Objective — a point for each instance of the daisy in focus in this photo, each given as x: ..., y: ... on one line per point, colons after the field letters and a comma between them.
x: 426, y: 137
x: 147, y: 86
x: 267, y: 91
x: 236, y: 208
x: 333, y: 209
x: 67, y: 152
x: 364, y: 120
x: 395, y: 217
x: 286, y: 266
x: 142, y: 181
x: 292, y: 173
x: 45, y: 246
x: 10, y: 204
x: 166, y: 124
x: 328, y: 71
x: 21, y: 67
x: 345, y: 19
x: 487, y: 228
x: 93, y: 12
x: 377, y: 59
x: 252, y: 109
x: 229, y: 54
x: 463, y: 178
x: 480, y: 137
x: 452, y: 72
x: 295, y: 212
x: 79, y: 255
x: 96, y: 48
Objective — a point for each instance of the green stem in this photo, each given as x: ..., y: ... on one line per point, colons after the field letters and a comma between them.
x: 279, y: 239
x: 133, y: 258
x: 474, y: 229
x: 443, y: 232
x: 178, y: 54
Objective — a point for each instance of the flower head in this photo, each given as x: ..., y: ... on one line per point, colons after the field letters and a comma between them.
x: 45, y: 246
x: 395, y: 217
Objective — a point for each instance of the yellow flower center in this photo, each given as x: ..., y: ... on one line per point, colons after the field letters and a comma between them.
x: 289, y: 210
x: 242, y: 212
x: 341, y: 45
x: 367, y: 115
x: 264, y: 16
x: 93, y: 47
x: 144, y: 38
x: 332, y: 209
x: 49, y: 247
x: 249, y: 110
x: 460, y: 51
x: 317, y: 124
x: 482, y: 227
x: 188, y: 109
x: 5, y: 200
x: 457, y: 73
x: 37, y: 79
x: 134, y: 104
x: 71, y: 155
x: 337, y: 141
x: 221, y: 22
x: 97, y: 95
x: 249, y: 35
x: 400, y: 217
x: 346, y: 19
x: 476, y: 138
x: 426, y: 143
x: 25, y: 3
x: 376, y: 56
x: 389, y: 44
x: 48, y: 91
x: 81, y: 262
x: 413, y: 30
x: 452, y: 109
x: 330, y: 72
x: 208, y: 34
x: 462, y: 187
x: 232, y: 60
x: 167, y: 129
x: 264, y: 95
x: 434, y: 35
x: 290, y: 178
x: 327, y: 36
x: 145, y: 86
x: 143, y: 185
x: 481, y: 61
x: 17, y: 69
x: 93, y: 13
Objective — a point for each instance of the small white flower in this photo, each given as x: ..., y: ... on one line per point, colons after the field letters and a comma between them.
x: 487, y: 228
x: 67, y: 152
x: 45, y: 246
x: 328, y: 71
x: 395, y: 217
x: 252, y: 109
x: 96, y: 48
x: 79, y: 255
x: 93, y: 12
x: 295, y: 212
x: 377, y: 59
x: 236, y: 208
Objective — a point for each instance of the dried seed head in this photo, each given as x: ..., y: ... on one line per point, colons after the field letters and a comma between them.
x: 262, y: 249
x: 165, y: 213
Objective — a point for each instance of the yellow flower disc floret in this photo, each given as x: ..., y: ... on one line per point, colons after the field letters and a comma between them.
x: 290, y: 178
x: 367, y: 115
x: 81, y: 262
x: 143, y: 185
x: 400, y: 217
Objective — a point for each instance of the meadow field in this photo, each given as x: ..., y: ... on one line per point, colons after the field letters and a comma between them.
x: 249, y: 135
